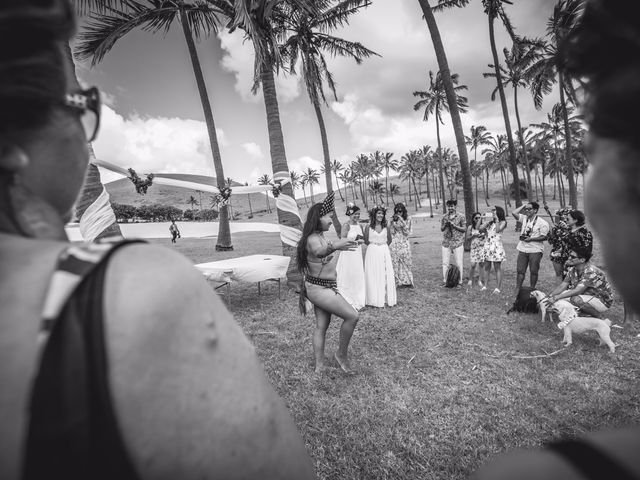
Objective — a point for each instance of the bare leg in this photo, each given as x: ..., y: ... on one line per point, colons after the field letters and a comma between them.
x: 329, y: 302
x: 585, y: 307
x: 497, y: 266
x: 322, y: 324
x: 482, y: 267
x: 558, y: 268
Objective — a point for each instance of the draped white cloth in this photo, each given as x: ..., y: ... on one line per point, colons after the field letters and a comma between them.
x: 350, y: 271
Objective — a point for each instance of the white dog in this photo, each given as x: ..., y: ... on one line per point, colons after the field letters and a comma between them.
x: 541, y: 298
x: 571, y: 323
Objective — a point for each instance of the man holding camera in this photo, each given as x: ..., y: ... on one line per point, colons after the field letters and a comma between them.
x: 453, y: 229
x: 531, y: 245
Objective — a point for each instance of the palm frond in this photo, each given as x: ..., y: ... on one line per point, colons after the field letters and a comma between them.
x: 84, y: 7
x: 445, y: 4
x: 338, y: 16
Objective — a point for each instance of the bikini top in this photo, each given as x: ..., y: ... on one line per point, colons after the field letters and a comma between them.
x: 72, y: 428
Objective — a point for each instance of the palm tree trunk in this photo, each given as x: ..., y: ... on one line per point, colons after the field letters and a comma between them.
x: 573, y: 191
x: 505, y: 113
x: 250, y: 209
x: 524, y: 149
x: 338, y: 187
x: 279, y: 164
x: 445, y: 73
x: 440, y: 169
x: 386, y: 184
x: 475, y: 162
x: 223, y: 242
x: 327, y: 162
x: 426, y: 180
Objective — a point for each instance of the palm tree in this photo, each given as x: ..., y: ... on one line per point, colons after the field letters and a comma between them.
x: 388, y: 163
x: 523, y: 54
x: 263, y: 23
x: 303, y: 183
x: 376, y: 189
x: 434, y: 101
x: 336, y: 167
x: 495, y: 9
x: 311, y: 177
x: 394, y: 190
x: 427, y: 155
x: 295, y: 181
x: 494, y: 158
x: 197, y: 18
x: 265, y: 180
x: 544, y: 73
x: 308, y: 38
x: 192, y: 201
x: 449, y: 88
x: 410, y: 168
x: 479, y: 136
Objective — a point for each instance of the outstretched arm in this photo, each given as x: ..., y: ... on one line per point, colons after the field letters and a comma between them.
x: 192, y: 398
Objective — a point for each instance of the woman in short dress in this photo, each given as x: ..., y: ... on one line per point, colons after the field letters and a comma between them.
x: 378, y: 267
x: 400, y: 247
x: 557, y: 240
x: 477, y: 252
x: 494, y: 250
x: 350, y: 268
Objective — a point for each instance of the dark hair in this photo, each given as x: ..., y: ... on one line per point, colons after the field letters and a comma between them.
x: 401, y: 209
x: 311, y: 225
x: 582, y: 252
x: 578, y: 216
x: 372, y: 217
x: 500, y: 214
x: 451, y: 201
x: 32, y: 74
x: 474, y: 214
x: 351, y: 209
x: 535, y: 205
x: 611, y: 81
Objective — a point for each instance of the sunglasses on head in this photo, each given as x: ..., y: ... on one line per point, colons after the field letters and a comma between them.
x: 87, y: 103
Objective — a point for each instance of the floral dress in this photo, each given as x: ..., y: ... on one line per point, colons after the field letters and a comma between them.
x: 557, y: 240
x: 478, y: 251
x: 401, y: 251
x: 493, y: 248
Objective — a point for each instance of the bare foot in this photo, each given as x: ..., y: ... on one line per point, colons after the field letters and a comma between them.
x: 344, y: 364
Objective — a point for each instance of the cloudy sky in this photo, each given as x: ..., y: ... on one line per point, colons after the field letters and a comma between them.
x: 153, y: 120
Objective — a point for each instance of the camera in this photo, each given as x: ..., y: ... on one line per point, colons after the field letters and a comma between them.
x: 395, y: 217
x: 524, y: 236
x: 488, y: 215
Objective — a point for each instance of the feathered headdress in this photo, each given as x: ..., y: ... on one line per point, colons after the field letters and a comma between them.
x: 327, y: 205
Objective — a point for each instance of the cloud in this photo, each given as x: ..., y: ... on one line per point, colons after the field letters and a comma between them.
x: 301, y: 164
x: 253, y: 149
x: 167, y: 145
x: 239, y: 60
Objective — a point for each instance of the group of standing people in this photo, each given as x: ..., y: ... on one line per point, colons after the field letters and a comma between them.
x: 387, y: 263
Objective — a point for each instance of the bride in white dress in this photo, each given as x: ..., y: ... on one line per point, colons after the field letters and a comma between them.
x: 350, y: 268
x: 378, y: 269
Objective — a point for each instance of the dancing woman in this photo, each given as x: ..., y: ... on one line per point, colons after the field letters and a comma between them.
x: 378, y: 267
x: 350, y: 268
x: 317, y: 262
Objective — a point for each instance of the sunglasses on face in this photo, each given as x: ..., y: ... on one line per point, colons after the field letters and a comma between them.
x: 87, y: 103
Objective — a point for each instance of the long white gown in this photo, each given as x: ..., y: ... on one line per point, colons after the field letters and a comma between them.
x: 378, y: 271
x: 350, y: 271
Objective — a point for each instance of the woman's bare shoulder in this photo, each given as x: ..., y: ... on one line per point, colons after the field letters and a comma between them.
x: 178, y: 355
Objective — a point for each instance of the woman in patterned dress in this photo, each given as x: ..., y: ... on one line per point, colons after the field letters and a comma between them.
x: 494, y: 250
x: 400, y: 247
x: 578, y: 236
x: 477, y: 252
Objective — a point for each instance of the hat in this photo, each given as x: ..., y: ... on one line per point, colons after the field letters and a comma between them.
x: 351, y: 209
x: 327, y: 205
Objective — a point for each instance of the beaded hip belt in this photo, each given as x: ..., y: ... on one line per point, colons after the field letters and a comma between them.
x: 321, y: 282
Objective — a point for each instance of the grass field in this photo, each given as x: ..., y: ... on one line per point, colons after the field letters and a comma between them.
x: 445, y: 379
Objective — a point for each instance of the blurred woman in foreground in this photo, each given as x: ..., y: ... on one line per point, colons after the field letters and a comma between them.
x: 604, y: 51
x: 116, y: 360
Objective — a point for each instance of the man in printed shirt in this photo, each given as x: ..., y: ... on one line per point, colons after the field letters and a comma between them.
x: 531, y: 245
x: 453, y: 229
x: 585, y: 285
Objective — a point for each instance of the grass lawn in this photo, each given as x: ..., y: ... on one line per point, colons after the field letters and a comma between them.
x: 446, y: 380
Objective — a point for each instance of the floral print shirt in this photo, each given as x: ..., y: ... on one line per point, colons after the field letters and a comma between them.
x: 595, y: 280
x: 452, y: 238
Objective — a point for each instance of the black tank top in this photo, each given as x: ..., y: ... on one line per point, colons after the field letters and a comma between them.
x: 72, y: 429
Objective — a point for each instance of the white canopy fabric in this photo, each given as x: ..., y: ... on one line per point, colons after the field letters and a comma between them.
x: 248, y: 269
x: 203, y: 187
